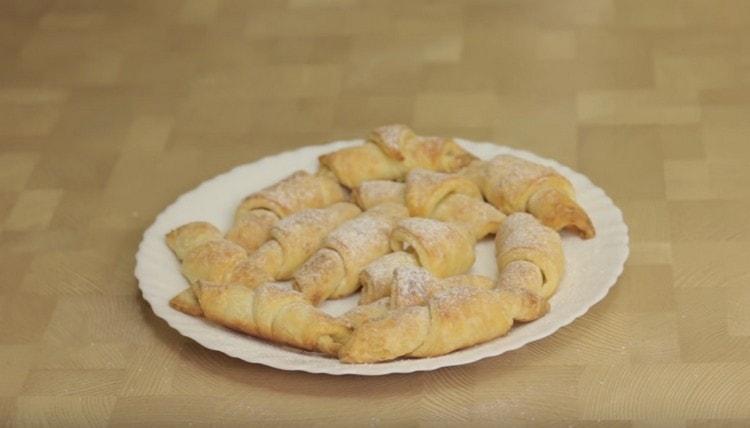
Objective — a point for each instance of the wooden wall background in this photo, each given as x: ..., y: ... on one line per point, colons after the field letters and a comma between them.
x: 111, y: 109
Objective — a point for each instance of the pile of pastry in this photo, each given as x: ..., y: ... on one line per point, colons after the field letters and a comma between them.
x: 395, y: 219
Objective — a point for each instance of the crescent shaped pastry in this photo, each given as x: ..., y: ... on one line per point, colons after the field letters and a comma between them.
x: 442, y: 248
x: 529, y: 255
x: 513, y: 185
x: 333, y: 271
x: 257, y: 213
x: 392, y: 151
x: 275, y: 313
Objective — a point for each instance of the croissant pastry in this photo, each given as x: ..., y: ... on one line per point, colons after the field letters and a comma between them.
x: 188, y: 236
x: 221, y: 261
x: 333, y: 271
x: 442, y: 248
x: 446, y: 197
x: 276, y: 313
x: 293, y: 240
x: 181, y: 240
x: 361, y: 314
x: 376, y: 192
x: 451, y: 197
x: 205, y: 255
x: 414, y: 285
x: 453, y: 318
x: 517, y: 185
x: 392, y: 151
x: 377, y: 277
x: 529, y: 255
x: 258, y: 212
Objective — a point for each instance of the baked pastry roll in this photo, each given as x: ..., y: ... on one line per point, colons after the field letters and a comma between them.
x: 451, y: 197
x: 209, y: 260
x: 376, y: 192
x: 333, y: 271
x: 221, y: 261
x: 446, y: 197
x: 442, y: 248
x: 187, y: 303
x: 293, y: 240
x: 529, y: 255
x: 390, y: 152
x: 517, y: 185
x: 414, y: 285
x: 258, y: 212
x: 361, y: 314
x: 276, y: 313
x: 453, y: 318
x: 181, y: 241
x: 188, y: 236
x: 428, y: 316
x: 377, y: 277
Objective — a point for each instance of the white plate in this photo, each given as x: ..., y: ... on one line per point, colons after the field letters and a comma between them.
x: 592, y: 266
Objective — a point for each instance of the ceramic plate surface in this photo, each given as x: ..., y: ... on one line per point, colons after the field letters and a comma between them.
x: 592, y: 266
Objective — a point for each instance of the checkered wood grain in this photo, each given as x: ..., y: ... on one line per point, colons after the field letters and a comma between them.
x: 109, y: 110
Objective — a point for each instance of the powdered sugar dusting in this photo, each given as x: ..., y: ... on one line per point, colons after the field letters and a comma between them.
x: 521, y: 273
x: 300, y: 190
x: 384, y: 266
x: 359, y: 233
x: 454, y: 296
x: 429, y: 231
x: 411, y: 286
x: 524, y: 230
x: 374, y: 192
x: 391, y: 136
x: 425, y: 177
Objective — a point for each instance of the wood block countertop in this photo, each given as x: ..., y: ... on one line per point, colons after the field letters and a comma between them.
x: 109, y: 110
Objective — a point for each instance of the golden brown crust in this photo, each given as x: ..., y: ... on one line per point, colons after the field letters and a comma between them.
x: 258, y: 212
x: 523, y: 305
x: 426, y: 189
x: 513, y: 185
x: 412, y: 286
x: 415, y: 285
x: 452, y: 319
x: 300, y: 238
x: 295, y: 239
x: 188, y: 236
x: 479, y: 217
x: 387, y: 338
x: 252, y: 229
x: 390, y: 152
x: 355, y: 165
x: 376, y: 192
x: 377, y: 277
x: 361, y: 314
x: 462, y: 317
x: 430, y: 317
x: 559, y: 211
x: 521, y: 274
x: 212, y: 261
x: 444, y: 249
x: 298, y: 191
x: 451, y: 197
x: 467, y: 280
x: 334, y: 270
x: 275, y: 313
x: 523, y: 237
x: 187, y: 303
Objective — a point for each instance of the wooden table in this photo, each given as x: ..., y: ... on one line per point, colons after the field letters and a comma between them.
x: 109, y: 111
